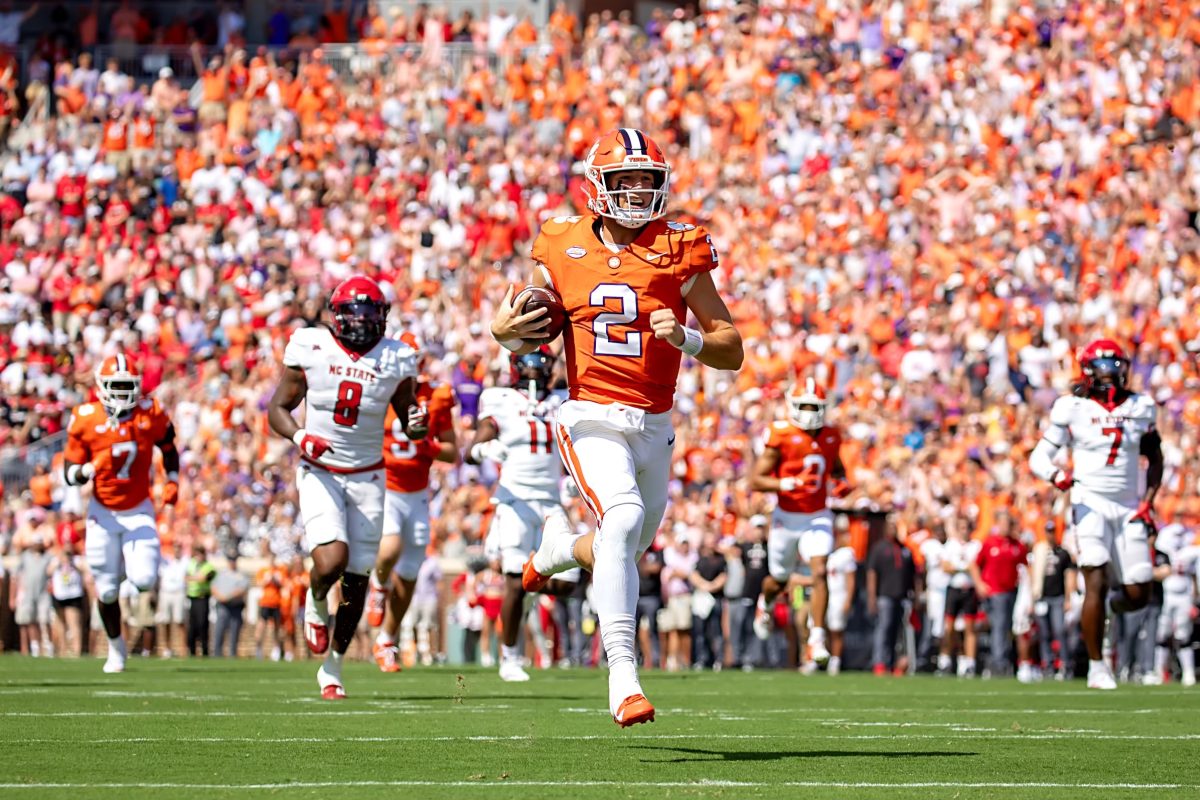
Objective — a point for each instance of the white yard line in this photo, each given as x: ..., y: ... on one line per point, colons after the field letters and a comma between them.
x: 486, y: 784
x: 896, y: 737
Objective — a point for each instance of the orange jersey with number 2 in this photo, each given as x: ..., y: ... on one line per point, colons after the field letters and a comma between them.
x: 406, y: 462
x: 121, y: 451
x: 612, y: 355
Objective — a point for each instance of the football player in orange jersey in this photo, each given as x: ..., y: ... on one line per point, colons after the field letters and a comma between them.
x: 627, y: 279
x: 112, y: 442
x: 800, y: 456
x: 406, y: 509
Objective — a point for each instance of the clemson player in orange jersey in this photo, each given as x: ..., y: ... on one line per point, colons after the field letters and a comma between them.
x: 627, y: 279
x: 406, y: 509
x: 800, y: 456
x: 113, y: 443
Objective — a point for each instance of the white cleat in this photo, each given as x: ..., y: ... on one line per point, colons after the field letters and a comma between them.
x: 1101, y: 677
x: 1189, y: 679
x: 835, y: 666
x: 513, y: 672
x: 116, y: 657
x: 1025, y: 674
x: 818, y: 652
x: 1154, y: 678
x: 763, y: 624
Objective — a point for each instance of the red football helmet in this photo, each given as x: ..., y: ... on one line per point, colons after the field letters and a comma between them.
x: 359, y: 313
x: 626, y: 150
x: 806, y: 405
x: 1105, y: 368
x: 118, y: 384
x: 537, y: 367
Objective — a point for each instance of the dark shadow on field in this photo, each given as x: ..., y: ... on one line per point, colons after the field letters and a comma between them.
x: 779, y: 755
x: 57, y: 684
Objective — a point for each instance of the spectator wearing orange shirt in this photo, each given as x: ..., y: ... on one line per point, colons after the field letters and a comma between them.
x: 271, y: 580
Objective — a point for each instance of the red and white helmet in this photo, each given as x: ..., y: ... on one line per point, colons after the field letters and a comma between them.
x: 119, y: 384
x: 1105, y: 367
x: 626, y: 150
x: 806, y: 404
x: 359, y: 312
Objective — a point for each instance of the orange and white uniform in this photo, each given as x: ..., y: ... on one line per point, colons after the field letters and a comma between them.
x: 121, y: 523
x: 615, y: 431
x: 407, y: 465
x: 802, y: 525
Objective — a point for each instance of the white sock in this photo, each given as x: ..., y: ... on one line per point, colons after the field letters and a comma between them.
x: 1098, y: 666
x: 816, y: 636
x: 557, y: 554
x: 1187, y: 660
x: 117, y: 644
x: 375, y: 582
x: 316, y: 610
x: 512, y: 653
x: 333, y: 665
x: 1162, y: 655
x: 615, y: 588
x: 834, y: 662
x: 943, y: 661
x: 385, y: 639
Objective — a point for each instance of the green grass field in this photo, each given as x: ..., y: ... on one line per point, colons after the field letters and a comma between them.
x: 183, y: 729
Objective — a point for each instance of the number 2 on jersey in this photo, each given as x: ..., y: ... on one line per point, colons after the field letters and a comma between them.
x: 606, y: 346
x: 1117, y: 434
x: 349, y: 396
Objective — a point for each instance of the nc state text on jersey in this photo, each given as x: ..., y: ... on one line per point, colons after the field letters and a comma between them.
x: 352, y: 372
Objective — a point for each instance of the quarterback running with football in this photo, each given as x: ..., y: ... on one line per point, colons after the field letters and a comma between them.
x: 347, y: 376
x: 627, y: 279
x: 1106, y: 427
x: 515, y: 429
x: 406, y: 510
x: 800, y: 458
x: 111, y: 442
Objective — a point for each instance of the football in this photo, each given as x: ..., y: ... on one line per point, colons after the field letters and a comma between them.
x: 540, y: 297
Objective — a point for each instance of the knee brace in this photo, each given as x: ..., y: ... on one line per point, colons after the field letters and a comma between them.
x: 622, y: 523
x: 107, y: 596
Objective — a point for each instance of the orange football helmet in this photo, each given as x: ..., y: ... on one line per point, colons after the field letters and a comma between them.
x: 119, y: 384
x: 625, y: 150
x: 802, y: 397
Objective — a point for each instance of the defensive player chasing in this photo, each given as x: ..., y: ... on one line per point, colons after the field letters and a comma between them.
x: 801, y: 455
x: 1106, y: 427
x: 515, y: 429
x: 406, y: 510
x: 347, y: 378
x: 113, y: 443
x: 627, y: 279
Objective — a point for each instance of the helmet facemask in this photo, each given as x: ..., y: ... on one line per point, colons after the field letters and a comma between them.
x: 805, y: 414
x: 359, y: 324
x: 120, y: 393
x: 532, y: 372
x: 629, y: 207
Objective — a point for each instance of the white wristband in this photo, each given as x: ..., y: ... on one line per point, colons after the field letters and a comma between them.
x: 693, y: 341
x: 512, y: 345
x: 172, y: 477
x: 787, y: 484
x: 298, y: 437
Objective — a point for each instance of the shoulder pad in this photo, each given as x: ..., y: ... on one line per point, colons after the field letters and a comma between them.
x: 781, y: 425
x: 556, y: 226
x: 86, y: 410
x: 672, y: 225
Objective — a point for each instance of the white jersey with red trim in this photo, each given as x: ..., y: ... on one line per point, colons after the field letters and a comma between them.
x: 532, y: 470
x: 1105, y: 444
x: 348, y: 394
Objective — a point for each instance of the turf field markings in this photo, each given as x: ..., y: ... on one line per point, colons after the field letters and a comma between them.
x: 613, y: 784
x: 989, y: 734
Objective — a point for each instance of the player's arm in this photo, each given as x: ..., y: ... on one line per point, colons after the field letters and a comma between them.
x: 1056, y: 437
x: 851, y: 579
x: 1162, y: 571
x: 414, y: 419
x: 717, y: 344
x: 762, y: 477
x: 517, y: 332
x: 1151, y: 448
x: 77, y: 457
x: 975, y: 567
x: 486, y: 445
x: 170, y: 457
x: 287, y: 398
x: 446, y: 442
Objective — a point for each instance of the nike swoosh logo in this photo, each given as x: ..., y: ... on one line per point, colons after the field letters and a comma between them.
x: 670, y: 441
x: 652, y: 256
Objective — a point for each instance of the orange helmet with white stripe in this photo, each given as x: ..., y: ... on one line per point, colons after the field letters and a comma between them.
x: 626, y: 150
x: 119, y: 384
x: 806, y: 404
